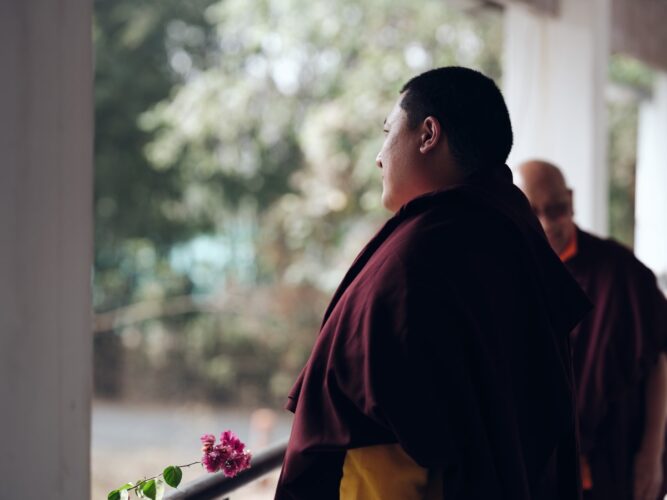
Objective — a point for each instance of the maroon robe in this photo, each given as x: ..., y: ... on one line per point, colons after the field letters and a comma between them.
x: 450, y: 336
x: 614, y: 348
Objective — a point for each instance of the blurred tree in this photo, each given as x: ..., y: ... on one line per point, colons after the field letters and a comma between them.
x: 635, y: 81
x: 137, y: 47
x: 248, y: 129
x: 288, y: 119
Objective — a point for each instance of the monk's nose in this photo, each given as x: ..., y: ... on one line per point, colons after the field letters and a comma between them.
x: 378, y: 160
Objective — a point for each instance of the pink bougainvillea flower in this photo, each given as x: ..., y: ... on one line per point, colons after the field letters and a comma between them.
x: 229, y: 455
x: 212, y: 460
x: 236, y: 463
x: 224, y: 451
x: 229, y: 438
x: 207, y: 440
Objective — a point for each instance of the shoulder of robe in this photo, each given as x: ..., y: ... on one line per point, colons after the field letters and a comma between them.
x: 608, y: 249
x: 619, y: 257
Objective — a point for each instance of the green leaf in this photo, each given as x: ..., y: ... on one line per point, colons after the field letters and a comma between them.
x: 149, y: 489
x: 159, y: 489
x: 123, y: 490
x: 113, y: 495
x: 172, y: 476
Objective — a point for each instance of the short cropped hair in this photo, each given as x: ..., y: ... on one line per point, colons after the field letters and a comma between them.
x: 471, y: 111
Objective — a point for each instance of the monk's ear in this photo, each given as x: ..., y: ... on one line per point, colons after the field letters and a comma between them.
x: 430, y: 134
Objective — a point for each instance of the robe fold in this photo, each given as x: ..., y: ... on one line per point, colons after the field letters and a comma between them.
x: 615, y: 347
x: 449, y: 335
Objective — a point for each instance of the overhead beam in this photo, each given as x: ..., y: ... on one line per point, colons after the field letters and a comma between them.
x: 639, y: 30
x: 637, y: 26
x: 545, y: 7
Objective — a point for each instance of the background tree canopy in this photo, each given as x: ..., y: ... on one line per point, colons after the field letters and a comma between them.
x: 235, y: 175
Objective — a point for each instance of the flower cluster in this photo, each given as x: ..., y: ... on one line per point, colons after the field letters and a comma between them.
x: 229, y: 456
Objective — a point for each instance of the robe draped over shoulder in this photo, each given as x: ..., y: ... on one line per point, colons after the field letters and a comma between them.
x: 614, y: 347
x: 449, y: 335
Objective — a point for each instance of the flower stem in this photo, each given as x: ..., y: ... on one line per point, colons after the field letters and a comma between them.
x: 154, y: 477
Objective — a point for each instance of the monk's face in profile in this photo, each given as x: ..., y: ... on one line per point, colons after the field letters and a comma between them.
x: 551, y: 200
x: 401, y: 180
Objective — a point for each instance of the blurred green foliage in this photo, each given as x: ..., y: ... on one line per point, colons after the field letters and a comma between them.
x: 234, y: 175
x: 635, y: 80
x: 132, y: 73
x: 287, y: 121
x: 235, y: 167
x: 622, y: 170
x: 631, y: 72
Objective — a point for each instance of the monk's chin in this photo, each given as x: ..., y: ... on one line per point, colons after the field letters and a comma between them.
x: 557, y: 245
x: 388, y: 204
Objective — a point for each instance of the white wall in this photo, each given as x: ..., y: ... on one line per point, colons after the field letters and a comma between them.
x: 45, y: 248
x: 651, y: 195
x: 554, y: 76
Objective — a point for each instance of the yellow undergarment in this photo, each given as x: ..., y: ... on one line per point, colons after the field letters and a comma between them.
x: 386, y: 472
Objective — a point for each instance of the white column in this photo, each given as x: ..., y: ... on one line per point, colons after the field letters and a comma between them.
x: 651, y: 187
x: 46, y: 132
x: 554, y: 76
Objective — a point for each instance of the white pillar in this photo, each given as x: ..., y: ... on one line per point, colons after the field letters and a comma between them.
x: 554, y: 77
x: 46, y: 124
x: 651, y: 190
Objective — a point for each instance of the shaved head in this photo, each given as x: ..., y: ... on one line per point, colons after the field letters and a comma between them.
x: 544, y: 185
x: 541, y: 174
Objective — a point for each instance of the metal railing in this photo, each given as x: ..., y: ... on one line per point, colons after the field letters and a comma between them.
x: 217, y: 485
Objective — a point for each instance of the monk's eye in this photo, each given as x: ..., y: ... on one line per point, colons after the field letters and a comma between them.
x: 556, y: 210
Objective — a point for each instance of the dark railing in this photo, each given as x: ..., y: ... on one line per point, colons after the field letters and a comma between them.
x: 217, y: 485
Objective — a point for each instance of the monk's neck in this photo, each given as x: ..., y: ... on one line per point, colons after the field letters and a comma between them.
x: 570, y: 249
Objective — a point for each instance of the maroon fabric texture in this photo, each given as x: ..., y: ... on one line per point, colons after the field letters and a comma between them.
x: 448, y: 335
x: 614, y: 348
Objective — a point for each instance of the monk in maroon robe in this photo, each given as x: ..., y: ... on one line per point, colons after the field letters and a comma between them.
x: 442, y: 367
x: 619, y: 360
